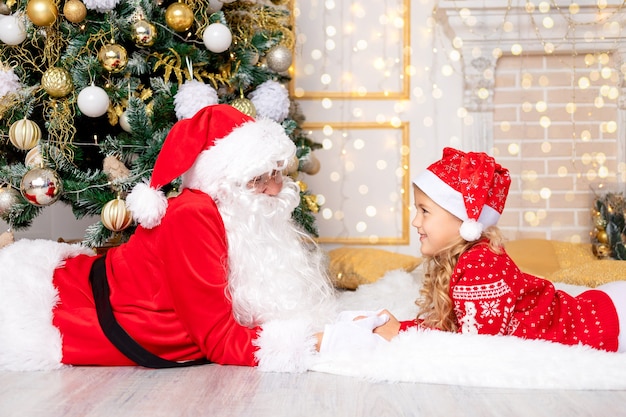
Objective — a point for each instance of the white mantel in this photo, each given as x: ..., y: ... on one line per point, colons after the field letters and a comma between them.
x: 481, y: 27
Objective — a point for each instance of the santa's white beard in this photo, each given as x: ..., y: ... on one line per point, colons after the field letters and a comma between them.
x: 275, y: 270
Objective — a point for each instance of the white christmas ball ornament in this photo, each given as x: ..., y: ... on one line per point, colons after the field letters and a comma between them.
x: 93, y: 101
x: 217, y: 37
x: 124, y: 122
x: 12, y: 30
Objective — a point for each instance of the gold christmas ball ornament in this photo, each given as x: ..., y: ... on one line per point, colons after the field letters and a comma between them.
x: 57, y: 82
x: 113, y: 57
x: 310, y: 164
x: 24, y: 134
x: 42, y: 12
x: 245, y: 106
x: 601, y: 250
x: 279, y: 58
x: 8, y: 198
x: 292, y: 166
x: 41, y: 186
x: 33, y: 158
x: 179, y: 17
x: 115, y: 216
x: 602, y: 236
x: 74, y: 11
x: 143, y: 33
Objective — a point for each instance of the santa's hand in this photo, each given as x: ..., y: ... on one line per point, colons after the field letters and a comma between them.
x: 354, y: 334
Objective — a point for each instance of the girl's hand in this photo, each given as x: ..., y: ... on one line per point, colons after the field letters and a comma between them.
x: 390, y: 329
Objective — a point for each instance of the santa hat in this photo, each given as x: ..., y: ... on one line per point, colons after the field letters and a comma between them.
x: 471, y: 186
x: 190, y: 138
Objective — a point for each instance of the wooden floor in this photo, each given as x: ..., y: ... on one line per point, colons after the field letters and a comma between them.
x: 213, y: 390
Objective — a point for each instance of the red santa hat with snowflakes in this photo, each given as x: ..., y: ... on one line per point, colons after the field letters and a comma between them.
x: 471, y: 186
x: 218, y: 143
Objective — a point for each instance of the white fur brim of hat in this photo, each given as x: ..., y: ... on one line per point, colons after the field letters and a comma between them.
x: 452, y: 200
x: 250, y: 150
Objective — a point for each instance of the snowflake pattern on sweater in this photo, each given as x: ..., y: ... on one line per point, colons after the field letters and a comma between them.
x: 492, y: 296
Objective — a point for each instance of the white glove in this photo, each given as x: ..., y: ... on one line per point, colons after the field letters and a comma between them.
x: 349, y: 335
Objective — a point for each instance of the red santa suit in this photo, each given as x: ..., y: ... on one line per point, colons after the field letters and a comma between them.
x: 170, y: 297
x: 219, y: 272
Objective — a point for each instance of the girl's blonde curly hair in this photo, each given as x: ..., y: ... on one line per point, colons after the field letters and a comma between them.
x: 435, y: 307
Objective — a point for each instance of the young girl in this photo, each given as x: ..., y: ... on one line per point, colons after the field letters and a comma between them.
x: 472, y: 286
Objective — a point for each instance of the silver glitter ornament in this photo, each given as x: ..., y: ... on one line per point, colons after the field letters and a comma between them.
x: 279, y: 58
x: 8, y: 198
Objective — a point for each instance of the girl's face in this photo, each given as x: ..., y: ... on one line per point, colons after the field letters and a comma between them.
x: 437, y: 227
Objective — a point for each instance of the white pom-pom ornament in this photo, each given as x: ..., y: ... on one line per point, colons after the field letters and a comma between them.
x: 217, y: 37
x: 214, y: 6
x: 9, y: 81
x: 93, y: 101
x: 192, y: 96
x: 12, y: 30
x: 101, y: 6
x: 471, y: 230
x: 271, y: 100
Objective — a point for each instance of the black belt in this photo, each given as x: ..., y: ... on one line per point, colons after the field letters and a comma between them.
x: 115, y: 333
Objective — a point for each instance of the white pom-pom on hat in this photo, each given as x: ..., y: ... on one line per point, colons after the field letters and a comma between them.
x: 471, y: 230
x: 147, y: 205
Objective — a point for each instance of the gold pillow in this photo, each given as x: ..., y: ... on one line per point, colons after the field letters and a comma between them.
x: 533, y: 256
x: 591, y: 274
x: 351, y: 266
x: 570, y: 263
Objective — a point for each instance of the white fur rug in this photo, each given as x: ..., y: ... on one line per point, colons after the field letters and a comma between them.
x: 471, y: 360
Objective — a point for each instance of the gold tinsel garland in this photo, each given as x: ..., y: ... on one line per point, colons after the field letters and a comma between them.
x: 609, y: 234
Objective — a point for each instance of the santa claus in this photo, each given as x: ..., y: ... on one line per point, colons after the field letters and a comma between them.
x: 219, y: 273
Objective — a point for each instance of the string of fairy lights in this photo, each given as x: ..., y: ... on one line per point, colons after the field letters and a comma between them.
x: 349, y: 42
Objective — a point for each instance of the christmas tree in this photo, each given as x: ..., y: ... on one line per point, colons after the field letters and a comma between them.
x: 89, y: 91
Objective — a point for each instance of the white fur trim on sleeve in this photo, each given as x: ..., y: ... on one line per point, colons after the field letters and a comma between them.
x: 147, y: 205
x: 285, y: 346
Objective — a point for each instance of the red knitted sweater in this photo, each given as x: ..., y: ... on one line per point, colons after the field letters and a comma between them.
x: 492, y: 296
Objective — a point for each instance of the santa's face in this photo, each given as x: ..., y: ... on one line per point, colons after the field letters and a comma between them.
x: 269, y: 183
